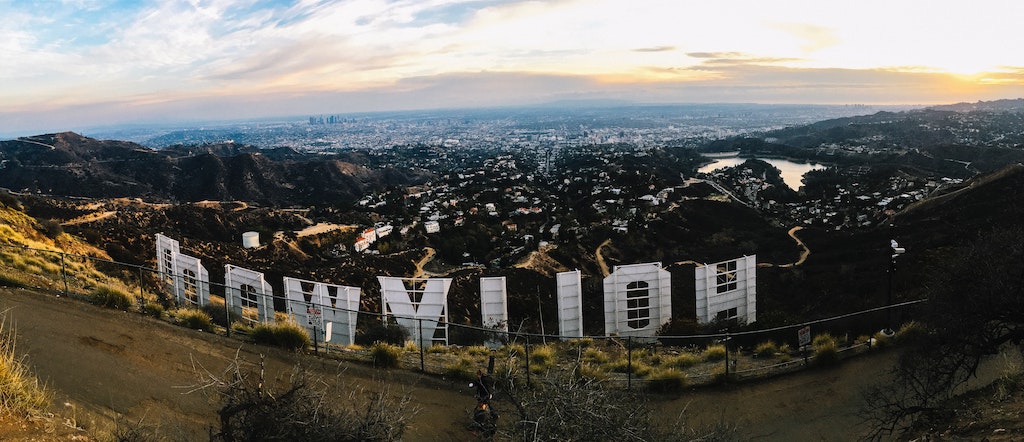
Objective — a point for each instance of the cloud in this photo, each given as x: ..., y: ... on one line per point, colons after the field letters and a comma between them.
x: 656, y: 49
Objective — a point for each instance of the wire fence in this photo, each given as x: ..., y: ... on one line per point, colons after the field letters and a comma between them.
x: 340, y: 329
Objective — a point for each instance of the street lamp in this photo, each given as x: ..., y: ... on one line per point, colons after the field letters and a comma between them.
x: 894, y: 252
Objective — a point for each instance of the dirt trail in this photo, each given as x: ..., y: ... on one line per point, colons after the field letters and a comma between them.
x: 105, y: 363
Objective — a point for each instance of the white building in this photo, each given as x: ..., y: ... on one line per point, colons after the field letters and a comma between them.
x: 432, y: 226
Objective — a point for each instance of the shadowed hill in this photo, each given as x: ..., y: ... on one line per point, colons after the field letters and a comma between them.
x: 72, y: 165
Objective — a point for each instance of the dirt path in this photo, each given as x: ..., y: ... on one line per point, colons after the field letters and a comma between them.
x: 803, y: 253
x: 605, y: 271
x: 105, y: 363
x: 420, y: 273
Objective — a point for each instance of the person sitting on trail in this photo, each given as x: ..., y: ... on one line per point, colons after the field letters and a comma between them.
x: 484, y: 394
x: 484, y: 385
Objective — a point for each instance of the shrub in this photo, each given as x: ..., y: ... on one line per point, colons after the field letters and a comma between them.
x: 909, y: 332
x: 680, y: 361
x: 219, y: 315
x: 766, y: 349
x: 462, y: 368
x: 153, y: 309
x: 390, y: 333
x: 668, y: 380
x: 714, y: 353
x: 826, y: 351
x: 109, y: 297
x: 191, y: 318
x: 478, y: 350
x: 11, y: 281
x: 595, y: 355
x: 624, y: 366
x: 285, y: 334
x: 591, y: 372
x: 437, y: 349
x: 386, y: 355
x: 513, y: 350
x: 20, y: 390
x: 542, y: 357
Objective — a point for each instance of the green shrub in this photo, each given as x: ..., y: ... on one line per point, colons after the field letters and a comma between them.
x: 386, y: 355
x: 11, y: 281
x: 286, y: 334
x: 624, y: 366
x: 542, y: 357
x: 826, y: 351
x: 591, y: 372
x: 462, y: 368
x: 478, y: 350
x: 595, y: 355
x: 153, y: 309
x: 219, y: 315
x: 191, y: 318
x: 766, y: 349
x: 390, y: 333
x: 680, y: 361
x: 714, y: 353
x: 111, y: 298
x: 668, y: 380
x: 513, y: 350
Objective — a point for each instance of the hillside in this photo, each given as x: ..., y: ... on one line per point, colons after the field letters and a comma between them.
x: 68, y: 164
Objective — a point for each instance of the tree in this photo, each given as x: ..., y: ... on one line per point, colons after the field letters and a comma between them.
x: 975, y: 309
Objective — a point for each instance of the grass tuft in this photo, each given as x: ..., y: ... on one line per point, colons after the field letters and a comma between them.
x: 110, y: 297
x: 20, y: 390
x: 386, y: 355
x: 285, y: 334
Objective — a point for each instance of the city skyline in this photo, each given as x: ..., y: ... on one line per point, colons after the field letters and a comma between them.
x: 84, y: 63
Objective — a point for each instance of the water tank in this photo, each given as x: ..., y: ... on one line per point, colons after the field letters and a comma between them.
x: 251, y: 239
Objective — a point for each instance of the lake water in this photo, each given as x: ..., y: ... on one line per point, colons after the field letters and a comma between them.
x: 792, y: 172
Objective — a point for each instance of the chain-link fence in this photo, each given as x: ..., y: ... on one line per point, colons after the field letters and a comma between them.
x: 338, y: 328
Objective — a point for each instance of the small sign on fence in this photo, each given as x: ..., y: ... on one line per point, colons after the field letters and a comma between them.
x: 804, y: 335
x: 314, y: 315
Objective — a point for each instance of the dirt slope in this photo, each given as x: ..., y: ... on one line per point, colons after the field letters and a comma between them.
x: 105, y: 364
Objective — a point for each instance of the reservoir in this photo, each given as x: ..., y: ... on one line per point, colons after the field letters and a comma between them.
x: 792, y: 171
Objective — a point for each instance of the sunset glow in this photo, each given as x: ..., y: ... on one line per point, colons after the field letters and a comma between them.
x: 87, y: 62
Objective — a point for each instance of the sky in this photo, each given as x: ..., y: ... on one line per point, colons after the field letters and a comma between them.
x: 72, y: 64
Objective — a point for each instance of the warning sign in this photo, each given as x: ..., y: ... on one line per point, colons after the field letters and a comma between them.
x: 314, y: 316
x: 804, y: 335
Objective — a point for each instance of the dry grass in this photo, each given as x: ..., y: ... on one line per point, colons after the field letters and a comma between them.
x: 20, y: 391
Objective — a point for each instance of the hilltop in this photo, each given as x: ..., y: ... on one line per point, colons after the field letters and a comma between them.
x: 67, y: 164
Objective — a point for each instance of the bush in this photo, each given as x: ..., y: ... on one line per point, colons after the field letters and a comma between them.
x: 191, y: 318
x: 680, y: 361
x: 714, y: 353
x: 542, y: 357
x: 463, y: 368
x: 111, y: 298
x: 306, y: 410
x: 219, y: 315
x: 390, y: 333
x: 513, y: 350
x: 437, y: 349
x: 667, y: 381
x: 286, y: 334
x: 20, y: 391
x: 595, y: 355
x: 386, y: 355
x: 11, y: 281
x: 624, y: 366
x: 910, y: 332
x: 591, y: 372
x: 478, y: 350
x: 153, y: 309
x: 766, y: 349
x: 826, y: 351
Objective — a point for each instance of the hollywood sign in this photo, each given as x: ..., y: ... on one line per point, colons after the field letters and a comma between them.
x: 637, y: 298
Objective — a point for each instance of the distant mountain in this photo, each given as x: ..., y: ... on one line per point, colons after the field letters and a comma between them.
x: 72, y: 165
x: 1014, y: 105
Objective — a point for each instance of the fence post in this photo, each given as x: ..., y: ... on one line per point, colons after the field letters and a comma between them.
x: 629, y: 362
x: 142, y: 296
x: 64, y: 273
x: 227, y: 311
x: 527, y: 361
x: 726, y: 354
x: 419, y: 332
